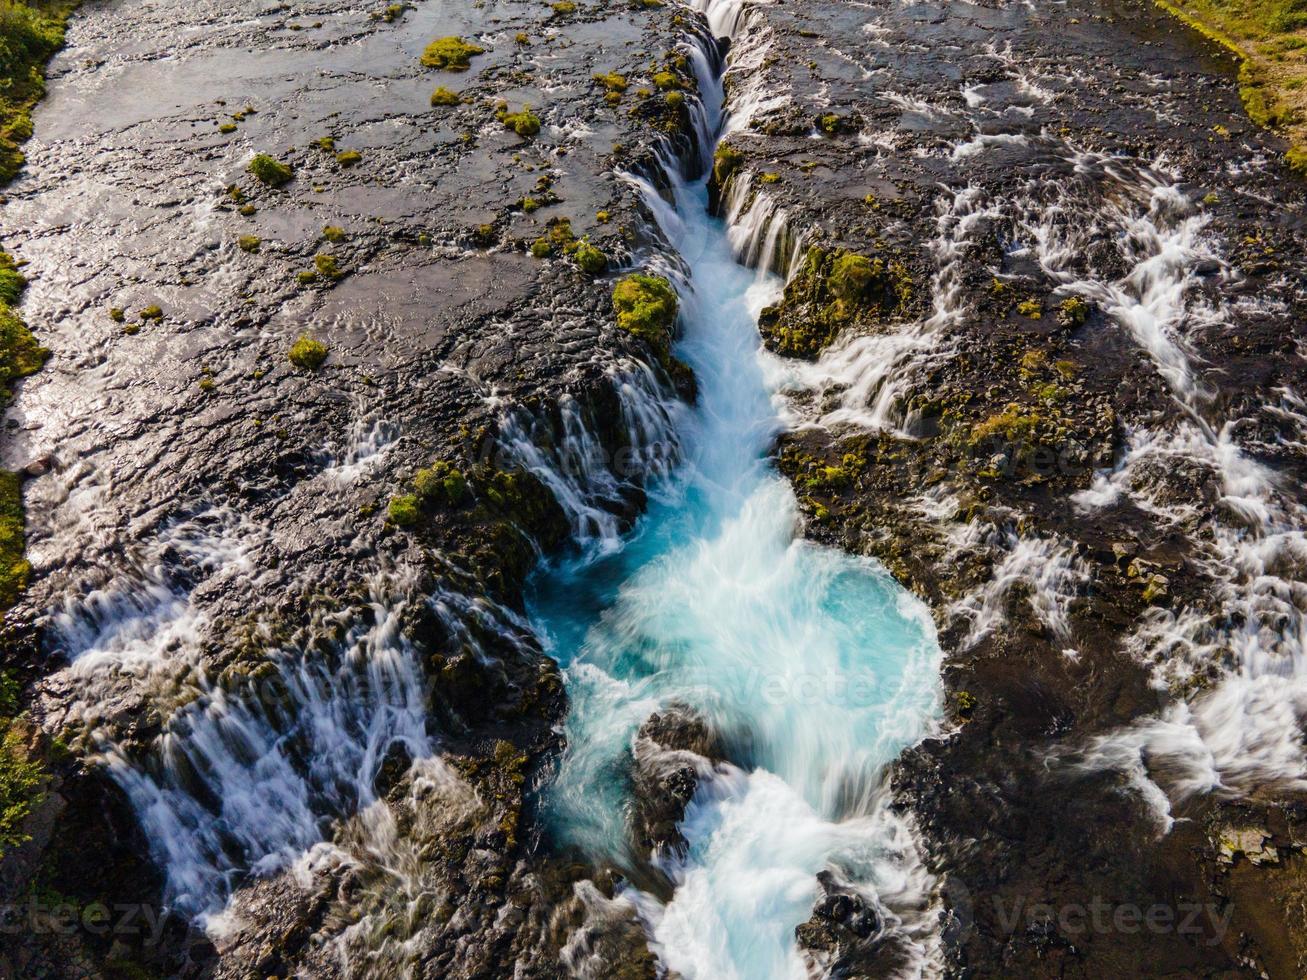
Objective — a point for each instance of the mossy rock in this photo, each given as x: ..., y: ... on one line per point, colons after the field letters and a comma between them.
x: 646, y: 306
x: 450, y: 54
x: 270, y: 171
x: 445, y: 97
x: 249, y: 243
x: 525, y: 123
x: 403, y: 510
x: 441, y: 483
x: 831, y: 290
x: 349, y: 158
x: 308, y: 354
x: 590, y: 259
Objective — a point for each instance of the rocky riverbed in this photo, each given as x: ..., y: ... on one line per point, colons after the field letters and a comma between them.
x: 1039, y: 355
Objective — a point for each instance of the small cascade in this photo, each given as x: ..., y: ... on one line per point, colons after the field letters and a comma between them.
x: 595, y: 480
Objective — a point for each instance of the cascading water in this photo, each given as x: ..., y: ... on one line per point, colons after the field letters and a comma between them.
x: 813, y: 666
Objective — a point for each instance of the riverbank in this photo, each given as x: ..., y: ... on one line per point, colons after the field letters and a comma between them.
x: 1269, y: 40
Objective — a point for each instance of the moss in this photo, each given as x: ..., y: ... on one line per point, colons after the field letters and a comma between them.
x: 590, y: 258
x: 12, y: 282
x: 603, y: 217
x: 327, y: 266
x: 402, y: 510
x: 674, y: 100
x: 725, y: 162
x: 14, y: 569
x: 966, y: 702
x: 207, y: 384
x: 333, y: 234
x: 1296, y: 158
x: 830, y: 290
x: 153, y: 312
x: 830, y: 123
x: 646, y: 306
x: 29, y: 34
x: 1031, y: 308
x: 1013, y: 424
x: 270, y: 171
x: 1072, y: 312
x: 392, y: 13
x: 612, y: 81
x: 450, y: 54
x: 666, y: 80
x: 326, y: 143
x: 522, y: 39
x: 441, y: 484
x: 770, y: 178
x: 307, y: 354
x: 249, y: 243
x: 444, y: 97
x: 22, y: 783
x: 525, y: 123
x: 117, y: 314
x: 306, y: 276
x: 349, y: 158
x: 564, y: 7
x: 227, y: 128
x: 557, y: 238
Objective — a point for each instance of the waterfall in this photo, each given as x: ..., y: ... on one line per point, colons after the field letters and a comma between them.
x: 813, y: 666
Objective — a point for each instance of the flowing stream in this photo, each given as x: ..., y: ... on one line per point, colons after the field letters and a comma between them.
x: 813, y: 665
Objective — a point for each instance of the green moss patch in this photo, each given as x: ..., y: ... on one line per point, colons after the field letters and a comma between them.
x: 308, y: 354
x: 450, y: 54
x: 646, y: 306
x: 270, y: 171
x: 444, y: 97
x: 831, y: 290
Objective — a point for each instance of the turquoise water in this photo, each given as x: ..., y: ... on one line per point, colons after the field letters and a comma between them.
x: 814, y: 664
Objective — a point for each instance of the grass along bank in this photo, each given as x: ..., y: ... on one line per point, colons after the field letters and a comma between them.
x: 1269, y: 37
x: 30, y: 33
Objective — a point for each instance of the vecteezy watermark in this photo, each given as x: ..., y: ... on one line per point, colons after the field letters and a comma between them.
x: 36, y: 916
x: 1206, y: 922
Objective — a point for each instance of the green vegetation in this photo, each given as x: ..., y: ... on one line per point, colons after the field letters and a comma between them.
x: 770, y: 178
x: 249, y: 243
x: 333, y: 234
x: 349, y: 158
x: 30, y: 32
x: 674, y: 99
x: 450, y: 54
x: 525, y: 123
x: 590, y: 258
x: 443, y: 96
x: 270, y: 171
x: 612, y: 82
x: 227, y: 127
x: 564, y: 7
x: 327, y: 266
x: 403, y: 510
x: 308, y: 354
x: 14, y: 568
x: 22, y: 788
x: 646, y: 307
x: 558, y: 237
x: 441, y: 484
x: 1072, y: 312
x: 831, y: 290
x: 1269, y: 38
x: 151, y: 312
x: 725, y: 162
x: 1032, y: 308
x: 666, y: 80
